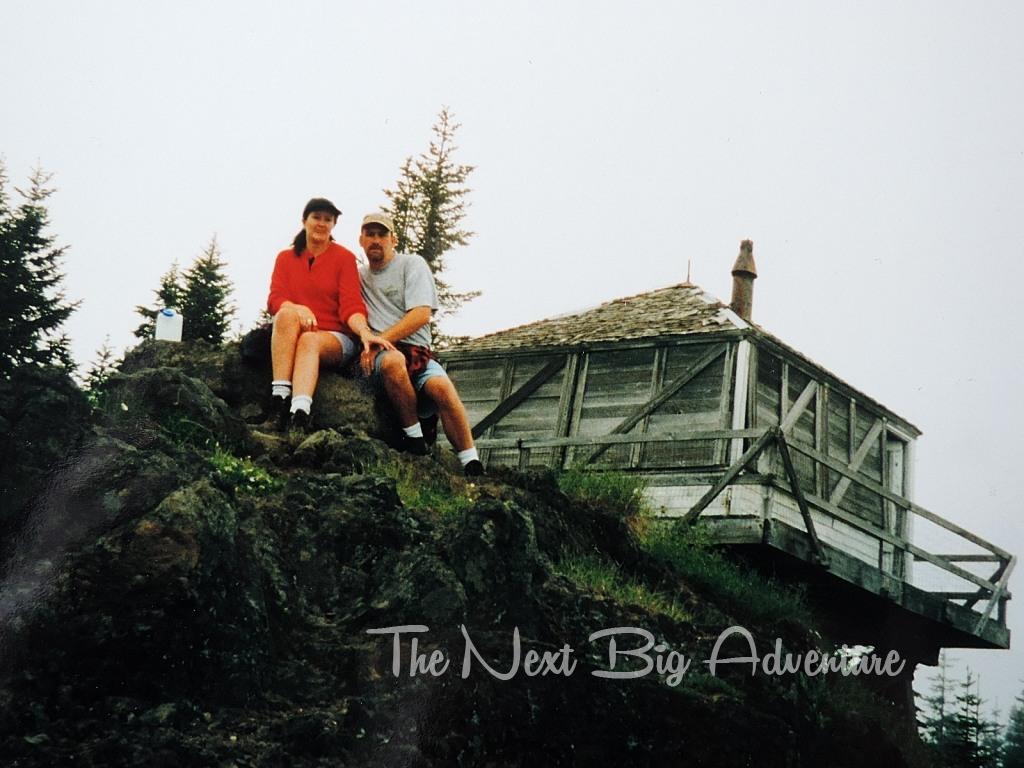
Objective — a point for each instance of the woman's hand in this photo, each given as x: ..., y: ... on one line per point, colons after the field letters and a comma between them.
x: 307, y: 320
x: 373, y: 341
x: 372, y: 345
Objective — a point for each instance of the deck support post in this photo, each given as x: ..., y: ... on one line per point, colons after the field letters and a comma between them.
x: 772, y: 434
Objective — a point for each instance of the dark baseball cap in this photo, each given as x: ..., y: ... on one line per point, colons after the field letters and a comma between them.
x: 320, y: 204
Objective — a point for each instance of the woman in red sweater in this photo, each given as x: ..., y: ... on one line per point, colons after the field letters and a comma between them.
x: 319, y: 315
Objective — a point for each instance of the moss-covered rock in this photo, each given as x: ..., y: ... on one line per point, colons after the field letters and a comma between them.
x: 164, y: 405
x: 342, y: 400
x: 339, y: 450
x: 172, y: 601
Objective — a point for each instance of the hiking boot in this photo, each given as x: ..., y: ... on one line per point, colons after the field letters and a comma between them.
x: 281, y: 414
x: 300, y: 421
x: 272, y: 414
x: 473, y: 468
x: 417, y: 446
x: 429, y: 426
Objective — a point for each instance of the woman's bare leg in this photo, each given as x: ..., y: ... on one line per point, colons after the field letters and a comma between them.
x: 312, y: 349
x: 283, y: 342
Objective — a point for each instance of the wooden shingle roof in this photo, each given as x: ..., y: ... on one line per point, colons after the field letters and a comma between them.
x: 672, y: 311
x: 678, y: 310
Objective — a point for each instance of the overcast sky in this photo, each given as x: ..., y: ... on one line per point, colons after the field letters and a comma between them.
x: 874, y: 153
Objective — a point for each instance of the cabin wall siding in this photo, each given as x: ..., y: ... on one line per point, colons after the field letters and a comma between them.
x: 597, y: 391
x: 778, y: 387
x: 671, y: 501
x: 536, y: 416
x: 617, y: 382
x: 830, y: 530
x: 838, y: 444
x: 697, y: 406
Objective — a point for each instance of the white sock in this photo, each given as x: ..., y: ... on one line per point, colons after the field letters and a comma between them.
x: 414, y: 431
x: 467, y: 456
x: 281, y: 388
x: 302, y: 403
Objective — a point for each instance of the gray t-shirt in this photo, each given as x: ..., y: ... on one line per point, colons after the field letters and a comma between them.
x: 405, y: 283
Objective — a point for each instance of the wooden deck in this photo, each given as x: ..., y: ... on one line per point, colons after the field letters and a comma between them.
x: 956, y: 595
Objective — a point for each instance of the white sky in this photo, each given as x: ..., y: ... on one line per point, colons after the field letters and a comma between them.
x: 874, y: 152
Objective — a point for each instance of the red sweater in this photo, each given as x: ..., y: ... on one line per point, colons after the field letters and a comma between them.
x: 329, y: 286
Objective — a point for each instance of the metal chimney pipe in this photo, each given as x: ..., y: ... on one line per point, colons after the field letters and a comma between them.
x: 744, y: 273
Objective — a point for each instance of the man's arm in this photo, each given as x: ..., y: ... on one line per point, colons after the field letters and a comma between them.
x: 411, y: 322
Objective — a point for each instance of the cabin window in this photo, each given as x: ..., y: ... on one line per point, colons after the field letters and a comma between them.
x: 698, y: 406
x: 838, y: 444
x: 769, y: 387
x: 618, y: 382
x: 867, y: 444
x: 850, y: 432
x: 804, y: 427
x: 479, y: 383
x: 535, y: 417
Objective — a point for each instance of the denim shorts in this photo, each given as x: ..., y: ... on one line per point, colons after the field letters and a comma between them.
x: 348, y: 347
x: 425, y: 406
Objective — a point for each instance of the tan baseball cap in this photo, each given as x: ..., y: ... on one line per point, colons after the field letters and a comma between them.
x: 381, y: 218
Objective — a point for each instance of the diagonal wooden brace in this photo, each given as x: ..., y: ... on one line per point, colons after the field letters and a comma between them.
x: 656, y: 402
x: 997, y: 594
x: 787, y: 462
x: 513, y: 401
x: 730, y: 474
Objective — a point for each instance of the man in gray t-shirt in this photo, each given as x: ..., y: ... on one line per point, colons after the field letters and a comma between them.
x: 400, y: 297
x: 404, y: 281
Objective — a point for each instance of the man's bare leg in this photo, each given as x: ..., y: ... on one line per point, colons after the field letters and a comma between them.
x: 400, y: 390
x: 451, y: 410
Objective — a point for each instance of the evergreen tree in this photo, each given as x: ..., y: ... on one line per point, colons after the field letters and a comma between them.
x: 168, y: 296
x: 954, y: 729
x: 206, y: 298
x: 1013, y: 741
x: 993, y: 738
x: 428, y: 205
x: 973, y: 740
x: 100, y: 369
x: 33, y: 306
x: 404, y: 203
x: 937, y: 712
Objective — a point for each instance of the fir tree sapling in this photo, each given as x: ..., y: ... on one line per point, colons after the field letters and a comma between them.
x: 168, y: 296
x: 202, y: 294
x: 99, y: 371
x: 206, y: 298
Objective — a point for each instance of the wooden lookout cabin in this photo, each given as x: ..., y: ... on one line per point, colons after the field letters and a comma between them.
x: 782, y: 460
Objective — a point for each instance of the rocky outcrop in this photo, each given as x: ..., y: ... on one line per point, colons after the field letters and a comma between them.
x: 189, y: 590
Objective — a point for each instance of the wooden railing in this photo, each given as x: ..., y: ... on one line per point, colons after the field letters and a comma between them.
x: 992, y: 591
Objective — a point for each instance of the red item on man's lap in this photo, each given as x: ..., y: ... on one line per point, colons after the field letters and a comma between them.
x: 416, y: 357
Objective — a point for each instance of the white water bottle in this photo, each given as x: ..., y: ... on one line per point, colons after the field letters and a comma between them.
x: 168, y: 325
